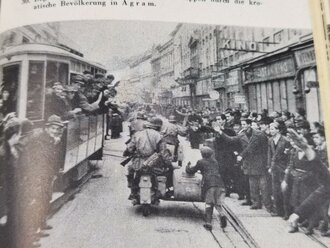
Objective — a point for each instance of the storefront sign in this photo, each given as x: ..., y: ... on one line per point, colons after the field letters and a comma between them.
x: 239, y: 99
x: 278, y: 69
x: 240, y: 45
x: 305, y: 57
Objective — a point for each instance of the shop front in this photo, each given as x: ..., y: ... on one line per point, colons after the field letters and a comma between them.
x: 306, y: 84
x: 220, y: 86
x: 203, y: 88
x: 181, y: 95
x: 235, y: 97
x: 269, y: 84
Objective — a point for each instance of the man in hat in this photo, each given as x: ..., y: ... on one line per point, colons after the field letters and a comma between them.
x: 70, y: 95
x: 213, y: 188
x: 45, y: 159
x: 81, y: 100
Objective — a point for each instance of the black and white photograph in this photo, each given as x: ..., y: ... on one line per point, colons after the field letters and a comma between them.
x: 152, y: 134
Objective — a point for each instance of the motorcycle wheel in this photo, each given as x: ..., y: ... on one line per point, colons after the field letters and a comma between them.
x: 146, y: 210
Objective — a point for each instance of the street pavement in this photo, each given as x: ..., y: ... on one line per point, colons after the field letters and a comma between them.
x: 100, y: 215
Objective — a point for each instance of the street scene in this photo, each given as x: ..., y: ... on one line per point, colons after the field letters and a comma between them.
x: 150, y: 134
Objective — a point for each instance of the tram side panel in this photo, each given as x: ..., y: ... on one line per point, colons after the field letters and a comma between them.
x: 84, y: 139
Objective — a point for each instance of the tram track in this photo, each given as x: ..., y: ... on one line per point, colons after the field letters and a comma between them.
x: 237, y: 226
x: 317, y: 240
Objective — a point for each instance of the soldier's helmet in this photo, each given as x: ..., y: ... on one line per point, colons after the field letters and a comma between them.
x: 155, y: 123
x: 141, y: 116
x: 171, y: 119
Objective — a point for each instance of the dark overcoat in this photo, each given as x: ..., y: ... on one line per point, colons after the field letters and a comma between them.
x: 254, y: 151
x: 278, y: 159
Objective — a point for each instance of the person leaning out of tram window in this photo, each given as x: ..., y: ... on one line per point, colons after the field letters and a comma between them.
x: 81, y: 101
x: 309, y: 161
x: 58, y: 104
x: 69, y: 96
x: 213, y: 188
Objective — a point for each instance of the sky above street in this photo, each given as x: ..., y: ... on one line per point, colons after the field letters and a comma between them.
x: 102, y: 40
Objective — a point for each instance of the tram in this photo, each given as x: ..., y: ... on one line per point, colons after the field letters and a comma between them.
x: 27, y: 71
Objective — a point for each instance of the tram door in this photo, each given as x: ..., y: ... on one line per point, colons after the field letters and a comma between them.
x: 8, y: 89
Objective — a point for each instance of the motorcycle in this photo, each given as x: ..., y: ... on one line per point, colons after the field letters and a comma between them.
x: 152, y: 188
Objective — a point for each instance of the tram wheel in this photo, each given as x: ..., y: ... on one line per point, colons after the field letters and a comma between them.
x: 146, y: 210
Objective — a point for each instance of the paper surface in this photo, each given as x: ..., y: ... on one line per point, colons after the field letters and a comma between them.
x: 265, y: 13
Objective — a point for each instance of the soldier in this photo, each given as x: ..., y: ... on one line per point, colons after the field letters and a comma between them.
x: 171, y: 130
x: 144, y: 144
x: 137, y: 123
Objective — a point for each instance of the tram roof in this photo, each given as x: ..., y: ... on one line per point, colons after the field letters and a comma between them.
x: 38, y: 48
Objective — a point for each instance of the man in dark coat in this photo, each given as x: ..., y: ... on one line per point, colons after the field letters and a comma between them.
x: 45, y: 155
x: 254, y: 157
x: 278, y: 160
x: 213, y: 188
x: 225, y: 156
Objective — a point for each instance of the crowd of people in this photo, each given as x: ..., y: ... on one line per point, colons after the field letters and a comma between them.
x: 276, y: 160
x: 32, y: 158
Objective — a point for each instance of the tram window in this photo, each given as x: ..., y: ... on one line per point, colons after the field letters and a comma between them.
x: 8, y: 89
x: 35, y: 92
x: 57, y: 72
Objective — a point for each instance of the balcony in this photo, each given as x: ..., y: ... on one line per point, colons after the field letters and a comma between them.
x: 191, y: 73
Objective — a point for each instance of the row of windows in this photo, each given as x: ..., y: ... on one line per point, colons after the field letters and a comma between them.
x: 81, y: 67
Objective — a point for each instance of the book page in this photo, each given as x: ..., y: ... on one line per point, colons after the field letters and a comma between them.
x: 163, y: 123
x: 253, y: 12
